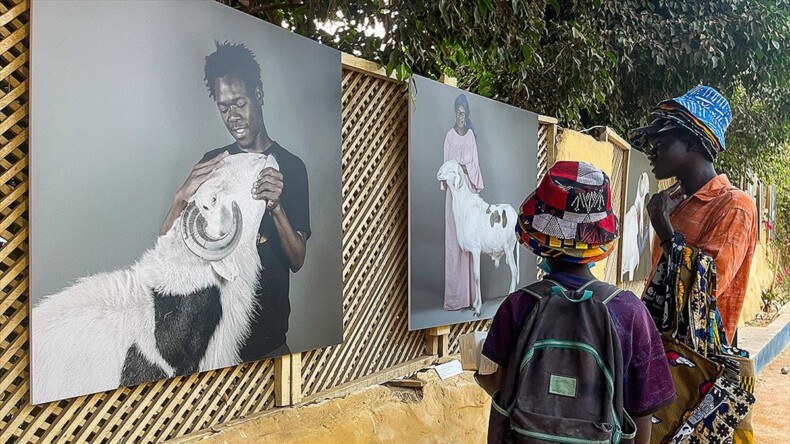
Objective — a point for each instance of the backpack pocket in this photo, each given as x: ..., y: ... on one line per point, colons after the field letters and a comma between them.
x: 528, y: 427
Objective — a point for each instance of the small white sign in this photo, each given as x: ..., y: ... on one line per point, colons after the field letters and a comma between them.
x: 449, y: 369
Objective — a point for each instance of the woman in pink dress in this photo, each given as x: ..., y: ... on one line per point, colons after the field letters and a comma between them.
x: 459, y: 145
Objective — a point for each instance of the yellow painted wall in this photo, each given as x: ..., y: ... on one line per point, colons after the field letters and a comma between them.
x: 761, y: 278
x: 573, y: 145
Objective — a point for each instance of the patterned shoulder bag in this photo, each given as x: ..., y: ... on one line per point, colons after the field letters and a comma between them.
x: 711, y: 399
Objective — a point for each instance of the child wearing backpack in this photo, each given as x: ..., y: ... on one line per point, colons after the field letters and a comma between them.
x: 580, y: 361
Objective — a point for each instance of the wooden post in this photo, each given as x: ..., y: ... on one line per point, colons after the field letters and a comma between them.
x: 551, y: 140
x: 282, y: 381
x: 447, y: 80
x: 296, y: 378
x: 437, y: 340
x: 617, y: 142
x: 288, y: 380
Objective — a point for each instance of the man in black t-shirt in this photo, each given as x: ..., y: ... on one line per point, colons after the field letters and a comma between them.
x: 233, y: 78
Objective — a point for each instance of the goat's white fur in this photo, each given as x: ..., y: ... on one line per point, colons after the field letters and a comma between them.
x: 635, y: 226
x: 81, y: 334
x: 474, y: 229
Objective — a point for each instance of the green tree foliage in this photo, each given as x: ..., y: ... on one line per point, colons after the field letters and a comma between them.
x: 584, y: 62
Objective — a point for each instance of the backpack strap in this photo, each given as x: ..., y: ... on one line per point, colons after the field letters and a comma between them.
x: 602, y: 291
x: 540, y: 289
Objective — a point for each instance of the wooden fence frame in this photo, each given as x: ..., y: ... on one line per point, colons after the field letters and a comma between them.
x: 377, y: 344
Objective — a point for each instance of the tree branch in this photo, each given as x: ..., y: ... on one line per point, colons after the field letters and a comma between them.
x: 272, y: 6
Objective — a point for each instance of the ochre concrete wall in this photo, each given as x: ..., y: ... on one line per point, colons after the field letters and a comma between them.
x: 573, y: 145
x: 761, y: 278
x: 455, y: 410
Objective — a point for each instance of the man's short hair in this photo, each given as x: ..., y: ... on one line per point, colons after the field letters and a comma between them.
x: 232, y: 59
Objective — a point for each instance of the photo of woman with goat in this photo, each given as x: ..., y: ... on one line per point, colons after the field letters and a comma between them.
x: 468, y: 222
x: 154, y: 253
x: 460, y: 145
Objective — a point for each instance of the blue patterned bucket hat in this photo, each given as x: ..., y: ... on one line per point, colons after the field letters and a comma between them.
x: 710, y: 108
x: 701, y: 110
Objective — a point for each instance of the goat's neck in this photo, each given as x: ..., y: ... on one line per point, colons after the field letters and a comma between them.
x: 463, y: 199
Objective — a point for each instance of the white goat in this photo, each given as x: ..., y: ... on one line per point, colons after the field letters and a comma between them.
x: 481, y: 227
x: 104, y: 331
x: 636, y: 229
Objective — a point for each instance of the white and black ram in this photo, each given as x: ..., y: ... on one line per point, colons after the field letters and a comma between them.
x: 184, y: 306
x: 481, y: 228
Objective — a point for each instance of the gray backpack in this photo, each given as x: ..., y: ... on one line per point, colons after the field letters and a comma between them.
x: 564, y: 382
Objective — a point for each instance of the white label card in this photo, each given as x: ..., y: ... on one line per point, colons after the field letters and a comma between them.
x: 449, y: 369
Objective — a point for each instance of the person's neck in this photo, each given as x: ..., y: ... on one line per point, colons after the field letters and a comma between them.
x: 261, y: 144
x: 461, y: 130
x: 580, y: 270
x: 696, y: 177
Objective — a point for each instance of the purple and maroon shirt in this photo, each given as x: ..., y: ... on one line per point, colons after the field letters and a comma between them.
x: 647, y: 382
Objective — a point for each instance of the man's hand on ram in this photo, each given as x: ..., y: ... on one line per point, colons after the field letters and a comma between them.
x: 268, y: 187
x: 200, y: 173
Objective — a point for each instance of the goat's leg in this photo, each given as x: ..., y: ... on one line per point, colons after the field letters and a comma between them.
x: 511, y: 262
x: 478, y: 304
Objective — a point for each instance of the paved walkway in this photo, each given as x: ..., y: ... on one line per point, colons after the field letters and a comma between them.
x: 771, y: 419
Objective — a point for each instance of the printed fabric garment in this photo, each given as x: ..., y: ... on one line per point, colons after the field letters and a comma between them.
x: 459, y: 285
x: 712, y: 397
x: 647, y: 383
x: 720, y: 220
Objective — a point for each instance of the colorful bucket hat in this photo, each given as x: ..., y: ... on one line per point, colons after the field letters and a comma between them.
x: 570, y: 210
x: 553, y: 248
x: 665, y: 121
x: 701, y: 110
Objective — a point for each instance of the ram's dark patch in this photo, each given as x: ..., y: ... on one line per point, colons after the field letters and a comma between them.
x: 137, y: 369
x: 184, y: 326
x: 494, y: 217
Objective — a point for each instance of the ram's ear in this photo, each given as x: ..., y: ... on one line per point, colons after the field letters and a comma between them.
x: 271, y: 162
x: 226, y: 268
x: 459, y: 180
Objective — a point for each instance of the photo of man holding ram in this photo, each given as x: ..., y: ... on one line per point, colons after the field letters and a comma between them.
x: 233, y: 79
x: 169, y: 222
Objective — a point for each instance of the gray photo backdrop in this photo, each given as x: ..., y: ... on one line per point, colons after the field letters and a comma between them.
x: 507, y: 154
x: 636, y: 237
x: 120, y: 114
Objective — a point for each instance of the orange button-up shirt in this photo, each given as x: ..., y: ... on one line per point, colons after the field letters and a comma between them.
x: 721, y: 220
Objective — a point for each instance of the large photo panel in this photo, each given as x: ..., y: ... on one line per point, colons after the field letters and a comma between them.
x: 637, y: 236
x: 472, y: 161
x: 185, y: 193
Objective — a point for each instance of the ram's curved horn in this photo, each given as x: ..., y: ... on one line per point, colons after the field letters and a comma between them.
x: 193, y: 231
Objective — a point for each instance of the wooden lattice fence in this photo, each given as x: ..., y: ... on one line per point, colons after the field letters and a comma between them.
x: 374, y: 275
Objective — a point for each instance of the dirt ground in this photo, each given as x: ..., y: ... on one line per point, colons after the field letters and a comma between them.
x: 771, y: 417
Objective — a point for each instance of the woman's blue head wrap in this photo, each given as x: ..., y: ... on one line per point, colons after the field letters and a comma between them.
x: 462, y: 102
